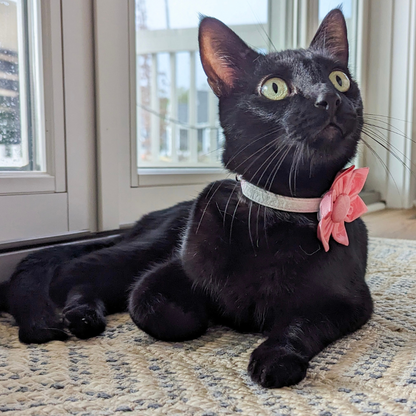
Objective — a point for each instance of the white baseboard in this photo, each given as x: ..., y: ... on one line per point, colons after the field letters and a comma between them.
x: 377, y: 206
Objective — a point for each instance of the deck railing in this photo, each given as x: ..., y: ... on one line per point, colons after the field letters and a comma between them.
x: 177, y: 113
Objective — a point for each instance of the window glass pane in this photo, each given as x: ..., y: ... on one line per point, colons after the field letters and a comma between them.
x: 182, y: 97
x: 180, y: 14
x: 177, y: 113
x: 202, y: 91
x: 144, y: 68
x: 163, y: 91
x: 21, y: 121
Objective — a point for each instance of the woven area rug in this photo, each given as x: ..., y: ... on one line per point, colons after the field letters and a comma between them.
x: 370, y: 372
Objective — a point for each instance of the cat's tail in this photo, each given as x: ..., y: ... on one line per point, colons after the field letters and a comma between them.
x: 4, y: 292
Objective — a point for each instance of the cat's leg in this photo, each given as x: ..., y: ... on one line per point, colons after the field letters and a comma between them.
x: 164, y: 304
x: 282, y: 360
x: 28, y: 295
x: 98, y: 284
x: 84, y: 313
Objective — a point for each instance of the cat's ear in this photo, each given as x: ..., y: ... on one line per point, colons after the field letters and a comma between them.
x: 224, y: 56
x: 332, y: 36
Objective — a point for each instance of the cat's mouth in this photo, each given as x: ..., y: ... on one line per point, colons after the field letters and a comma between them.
x: 331, y: 131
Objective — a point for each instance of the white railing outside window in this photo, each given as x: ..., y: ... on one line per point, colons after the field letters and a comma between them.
x: 176, y: 121
x: 177, y: 113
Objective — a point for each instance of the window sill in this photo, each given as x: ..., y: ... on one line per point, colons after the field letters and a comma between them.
x: 179, y: 176
x: 26, y: 182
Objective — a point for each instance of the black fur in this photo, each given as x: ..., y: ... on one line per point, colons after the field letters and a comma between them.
x: 222, y: 258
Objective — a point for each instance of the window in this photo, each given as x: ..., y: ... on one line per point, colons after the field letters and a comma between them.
x: 139, y: 82
x: 46, y: 139
x: 86, y: 85
x: 177, y: 122
x: 161, y: 110
x: 22, y: 141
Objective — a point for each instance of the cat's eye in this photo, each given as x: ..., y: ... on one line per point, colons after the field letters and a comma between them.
x: 340, y: 80
x: 274, y: 89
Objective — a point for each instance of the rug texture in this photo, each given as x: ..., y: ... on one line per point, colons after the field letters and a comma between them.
x: 372, y: 371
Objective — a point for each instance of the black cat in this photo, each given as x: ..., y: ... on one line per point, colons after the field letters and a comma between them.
x: 292, y: 121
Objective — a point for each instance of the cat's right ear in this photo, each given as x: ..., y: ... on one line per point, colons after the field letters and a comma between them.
x: 224, y: 56
x: 332, y: 36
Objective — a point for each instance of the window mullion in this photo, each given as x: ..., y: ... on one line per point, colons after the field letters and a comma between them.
x: 280, y: 24
x: 23, y: 82
x: 173, y: 109
x: 213, y: 126
x: 154, y: 103
x: 192, y: 133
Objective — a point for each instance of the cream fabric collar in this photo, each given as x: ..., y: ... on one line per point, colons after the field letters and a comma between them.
x: 280, y: 202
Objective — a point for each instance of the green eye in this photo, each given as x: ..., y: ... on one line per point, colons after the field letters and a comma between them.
x: 340, y: 80
x: 274, y: 89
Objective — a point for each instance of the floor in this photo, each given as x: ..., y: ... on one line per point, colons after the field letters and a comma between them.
x: 392, y: 223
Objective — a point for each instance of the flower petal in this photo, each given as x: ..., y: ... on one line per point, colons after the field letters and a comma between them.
x: 325, y: 207
x: 357, y: 208
x: 325, y: 227
x: 359, y: 177
x: 342, y: 182
x: 340, y: 233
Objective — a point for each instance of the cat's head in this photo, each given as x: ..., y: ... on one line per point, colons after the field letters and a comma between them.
x: 291, y: 119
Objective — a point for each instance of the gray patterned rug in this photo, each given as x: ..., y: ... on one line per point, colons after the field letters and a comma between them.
x: 370, y: 372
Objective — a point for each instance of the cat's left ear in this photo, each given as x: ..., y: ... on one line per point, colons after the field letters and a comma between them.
x: 331, y: 36
x: 224, y: 56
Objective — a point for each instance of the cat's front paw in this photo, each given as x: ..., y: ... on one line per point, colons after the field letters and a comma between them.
x: 84, y: 321
x: 276, y: 366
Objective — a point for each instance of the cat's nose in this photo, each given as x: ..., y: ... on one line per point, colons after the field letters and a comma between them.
x: 328, y: 101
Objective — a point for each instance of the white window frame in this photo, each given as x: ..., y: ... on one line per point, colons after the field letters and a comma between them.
x: 63, y: 199
x: 123, y: 194
x: 47, y: 61
x: 388, y: 75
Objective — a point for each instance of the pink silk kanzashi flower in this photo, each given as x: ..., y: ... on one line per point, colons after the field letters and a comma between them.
x: 341, y: 204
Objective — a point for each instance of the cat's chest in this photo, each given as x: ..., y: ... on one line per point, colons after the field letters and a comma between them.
x: 236, y: 250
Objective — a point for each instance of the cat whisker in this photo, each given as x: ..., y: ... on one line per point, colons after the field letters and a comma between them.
x: 257, y: 226
x: 252, y: 142
x: 387, y: 146
x: 277, y: 167
x: 249, y: 226
x: 228, y: 203
x: 262, y: 150
x: 260, y: 26
x: 381, y: 162
x: 232, y: 219
x: 206, y: 206
x: 391, y: 129
x: 265, y: 226
x: 384, y: 116
x: 294, y: 166
x: 272, y: 156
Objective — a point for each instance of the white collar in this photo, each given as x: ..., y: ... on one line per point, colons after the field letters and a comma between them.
x: 280, y: 202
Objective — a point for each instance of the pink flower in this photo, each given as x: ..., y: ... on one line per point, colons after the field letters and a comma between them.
x: 341, y: 204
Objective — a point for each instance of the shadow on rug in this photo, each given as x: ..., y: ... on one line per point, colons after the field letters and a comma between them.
x: 370, y: 372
